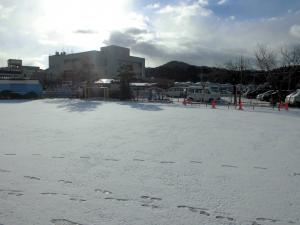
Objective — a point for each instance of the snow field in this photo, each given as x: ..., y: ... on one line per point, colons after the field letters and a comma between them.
x: 68, y: 162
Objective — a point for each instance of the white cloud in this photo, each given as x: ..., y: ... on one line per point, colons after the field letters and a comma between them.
x: 182, y: 33
x: 232, y: 17
x: 185, y: 10
x: 203, y: 2
x: 5, y: 12
x: 187, y: 30
x: 295, y: 31
x: 222, y: 2
x: 40, y: 27
x: 153, y: 6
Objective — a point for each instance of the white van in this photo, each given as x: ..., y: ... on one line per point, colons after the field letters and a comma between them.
x: 176, y: 92
x: 206, y: 94
x: 294, y: 98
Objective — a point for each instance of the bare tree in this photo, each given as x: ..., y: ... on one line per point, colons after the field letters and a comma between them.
x: 126, y: 75
x: 291, y: 59
x: 266, y: 60
x: 238, y: 66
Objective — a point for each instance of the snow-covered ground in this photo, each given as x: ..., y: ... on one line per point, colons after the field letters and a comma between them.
x: 68, y: 162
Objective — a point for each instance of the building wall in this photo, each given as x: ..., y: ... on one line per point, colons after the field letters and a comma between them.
x: 6, y: 74
x: 102, y: 64
x: 21, y: 86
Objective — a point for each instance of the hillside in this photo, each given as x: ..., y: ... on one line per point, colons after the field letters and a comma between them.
x: 180, y: 71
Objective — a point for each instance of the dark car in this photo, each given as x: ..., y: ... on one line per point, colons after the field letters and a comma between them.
x: 265, y: 96
x: 253, y: 94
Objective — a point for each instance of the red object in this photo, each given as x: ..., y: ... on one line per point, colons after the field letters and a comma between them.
x: 240, y: 105
x: 213, y: 104
x: 286, y: 106
x: 279, y: 106
x: 187, y: 101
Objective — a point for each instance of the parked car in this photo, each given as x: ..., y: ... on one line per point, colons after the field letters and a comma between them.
x: 176, y: 92
x: 265, y: 96
x: 293, y: 98
x: 287, y: 98
x: 198, y: 93
x: 253, y: 94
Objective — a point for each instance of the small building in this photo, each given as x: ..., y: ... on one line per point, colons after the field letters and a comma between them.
x: 15, y: 84
x: 16, y: 70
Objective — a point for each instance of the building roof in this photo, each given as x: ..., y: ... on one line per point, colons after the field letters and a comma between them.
x: 142, y: 84
x: 104, y: 81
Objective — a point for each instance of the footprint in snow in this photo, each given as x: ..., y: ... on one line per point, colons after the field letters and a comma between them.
x: 139, y: 160
x: 4, y: 171
x: 78, y: 199
x: 49, y: 193
x: 150, y: 198
x: 15, y: 193
x: 267, y: 219
x: 103, y: 191
x: 198, y: 162
x: 225, y: 217
x: 255, y: 223
x: 202, y: 212
x: 260, y: 168
x: 65, y: 181
x: 194, y: 209
x: 122, y: 199
x: 229, y: 166
x: 12, y: 192
x: 64, y: 222
x: 150, y: 206
x: 114, y: 160
x: 117, y: 199
x: 32, y: 178
x: 167, y: 162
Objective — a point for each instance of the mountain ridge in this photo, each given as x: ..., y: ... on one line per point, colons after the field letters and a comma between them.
x: 182, y: 72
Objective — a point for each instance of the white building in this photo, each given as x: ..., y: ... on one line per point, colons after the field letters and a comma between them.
x: 15, y: 70
x: 94, y: 65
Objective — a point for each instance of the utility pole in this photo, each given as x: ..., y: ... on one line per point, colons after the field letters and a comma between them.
x: 242, y: 67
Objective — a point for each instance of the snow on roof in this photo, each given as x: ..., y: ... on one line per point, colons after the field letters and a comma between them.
x: 104, y: 81
x: 142, y: 84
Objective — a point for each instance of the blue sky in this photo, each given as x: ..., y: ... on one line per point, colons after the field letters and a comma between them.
x: 241, y: 9
x: 201, y: 32
x: 255, y: 9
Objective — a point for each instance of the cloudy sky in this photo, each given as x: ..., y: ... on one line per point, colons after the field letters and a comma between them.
x: 201, y: 32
